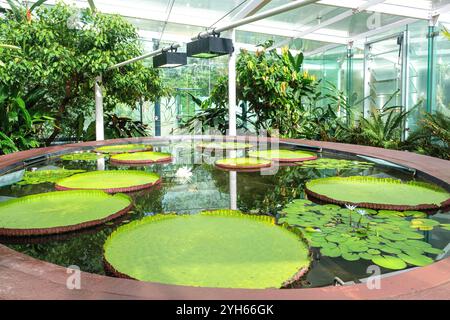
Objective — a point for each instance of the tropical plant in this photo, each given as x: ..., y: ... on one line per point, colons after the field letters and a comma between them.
x: 212, y: 115
x: 432, y: 137
x: 115, y: 127
x: 63, y: 49
x: 273, y: 89
x: 21, y: 121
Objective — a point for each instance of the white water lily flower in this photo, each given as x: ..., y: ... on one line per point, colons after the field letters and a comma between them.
x: 350, y: 207
x: 184, y: 174
x: 361, y: 212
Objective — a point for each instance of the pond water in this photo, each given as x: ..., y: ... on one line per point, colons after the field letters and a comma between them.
x: 207, y: 188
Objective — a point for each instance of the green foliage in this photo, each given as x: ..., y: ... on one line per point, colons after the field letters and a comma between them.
x: 115, y: 127
x: 21, y: 122
x: 387, y: 240
x: 63, y: 49
x: 274, y: 88
x: 432, y: 137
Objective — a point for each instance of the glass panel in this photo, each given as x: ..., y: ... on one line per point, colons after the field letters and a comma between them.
x: 443, y: 73
x: 417, y: 82
x: 383, y: 73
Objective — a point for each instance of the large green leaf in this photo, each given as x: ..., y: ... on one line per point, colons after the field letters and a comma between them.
x: 214, y: 249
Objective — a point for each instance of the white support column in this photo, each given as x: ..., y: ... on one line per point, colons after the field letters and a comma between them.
x: 99, y: 125
x: 232, y: 89
x: 233, y: 190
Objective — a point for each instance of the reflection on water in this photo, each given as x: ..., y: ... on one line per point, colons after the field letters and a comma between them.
x: 191, y: 183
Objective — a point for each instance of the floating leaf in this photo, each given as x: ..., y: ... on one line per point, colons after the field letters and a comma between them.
x: 389, y: 262
x: 46, y: 176
x: 365, y: 191
x: 82, y: 156
x: 350, y: 256
x: 331, y: 252
x: 223, y: 248
x: 416, y: 260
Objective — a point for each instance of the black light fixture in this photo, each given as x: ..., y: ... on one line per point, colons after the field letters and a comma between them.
x: 170, y: 59
x: 209, y: 47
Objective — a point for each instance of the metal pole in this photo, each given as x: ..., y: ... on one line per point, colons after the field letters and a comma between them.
x: 349, y: 78
x: 256, y: 17
x: 99, y: 122
x: 431, y: 74
x: 232, y: 90
x: 158, y: 118
x: 405, y: 80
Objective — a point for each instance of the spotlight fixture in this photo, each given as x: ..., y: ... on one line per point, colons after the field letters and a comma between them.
x: 209, y: 47
x: 170, y: 59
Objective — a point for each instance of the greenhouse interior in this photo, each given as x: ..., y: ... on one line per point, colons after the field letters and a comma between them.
x: 234, y: 149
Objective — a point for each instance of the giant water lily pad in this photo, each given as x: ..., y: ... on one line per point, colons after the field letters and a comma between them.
x: 247, y: 164
x: 353, y: 234
x: 337, y: 164
x: 223, y: 145
x: 224, y: 248
x: 284, y: 155
x: 82, y: 156
x: 110, y: 181
x: 141, y: 157
x: 46, y: 176
x: 379, y: 193
x: 123, y: 148
x: 57, y: 212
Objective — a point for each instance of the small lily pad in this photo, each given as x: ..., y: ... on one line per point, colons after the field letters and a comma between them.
x: 389, y: 262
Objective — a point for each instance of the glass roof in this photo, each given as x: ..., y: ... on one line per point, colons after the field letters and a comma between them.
x: 293, y: 28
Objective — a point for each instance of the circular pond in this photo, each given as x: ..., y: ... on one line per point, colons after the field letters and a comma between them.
x: 191, y: 183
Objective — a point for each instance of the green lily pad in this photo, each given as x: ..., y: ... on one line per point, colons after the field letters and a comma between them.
x: 283, y: 155
x: 221, y: 249
x: 371, y: 190
x: 331, y: 252
x: 337, y: 164
x: 110, y: 181
x: 243, y: 163
x: 122, y: 148
x: 389, y: 262
x: 416, y: 260
x: 366, y: 256
x: 56, y: 212
x: 350, y: 256
x: 224, y: 145
x: 82, y: 156
x: 46, y: 176
x: 141, y: 157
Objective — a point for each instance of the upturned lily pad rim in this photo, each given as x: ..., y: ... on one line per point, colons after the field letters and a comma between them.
x: 26, y: 232
x: 139, y: 148
x: 427, y: 208
x: 114, y: 160
x: 218, y: 213
x: 243, y: 168
x: 59, y: 187
x: 311, y: 155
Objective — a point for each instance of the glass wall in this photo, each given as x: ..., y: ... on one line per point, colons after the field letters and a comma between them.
x: 386, y: 62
